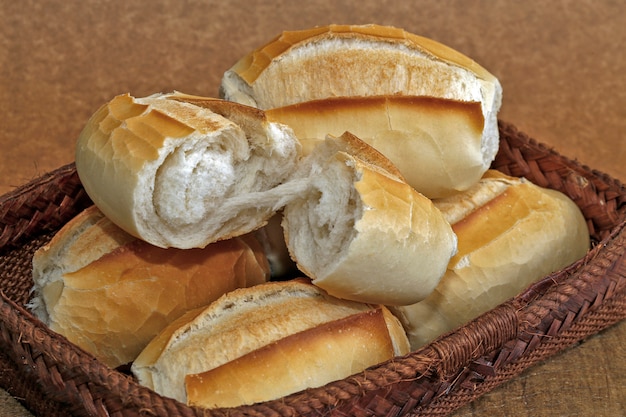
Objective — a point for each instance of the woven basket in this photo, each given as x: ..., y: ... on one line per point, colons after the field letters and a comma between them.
x: 52, y: 377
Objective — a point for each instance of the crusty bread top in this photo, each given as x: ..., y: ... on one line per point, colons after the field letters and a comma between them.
x: 499, y: 204
x: 111, y: 293
x: 511, y: 233
x: 237, y: 323
x: 435, y: 144
x: 145, y: 132
x: 239, y: 114
x: 253, y: 64
x: 353, y: 145
x: 311, y: 358
x: 349, y: 61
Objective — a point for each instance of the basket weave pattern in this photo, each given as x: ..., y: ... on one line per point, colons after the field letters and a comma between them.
x: 55, y: 378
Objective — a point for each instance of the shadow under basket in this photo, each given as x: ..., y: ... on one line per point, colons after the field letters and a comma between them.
x: 52, y: 377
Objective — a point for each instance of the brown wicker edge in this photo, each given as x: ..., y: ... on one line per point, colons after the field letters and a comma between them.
x: 54, y: 378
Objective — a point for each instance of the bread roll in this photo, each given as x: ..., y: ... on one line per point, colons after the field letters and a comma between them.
x: 435, y: 143
x: 362, y: 233
x: 310, y: 358
x: 246, y: 320
x: 111, y: 293
x: 409, y: 96
x: 511, y: 233
x: 184, y: 173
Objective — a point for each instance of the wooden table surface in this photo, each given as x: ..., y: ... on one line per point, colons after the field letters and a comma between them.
x: 561, y: 64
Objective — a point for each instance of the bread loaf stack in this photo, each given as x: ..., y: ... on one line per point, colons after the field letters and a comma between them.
x: 355, y: 157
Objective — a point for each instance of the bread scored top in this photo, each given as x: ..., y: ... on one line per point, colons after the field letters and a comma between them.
x: 353, y: 61
x: 307, y: 359
x: 437, y: 145
x: 179, y: 173
x: 511, y: 233
x: 370, y: 80
x: 111, y: 293
x: 247, y: 320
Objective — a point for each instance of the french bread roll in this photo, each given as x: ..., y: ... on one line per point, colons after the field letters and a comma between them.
x: 434, y: 143
x: 178, y: 174
x: 511, y: 233
x: 411, y: 97
x: 255, y: 320
x: 308, y: 359
x: 111, y: 293
x: 362, y: 233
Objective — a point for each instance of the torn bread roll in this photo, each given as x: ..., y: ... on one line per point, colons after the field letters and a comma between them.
x: 279, y: 321
x: 411, y: 97
x: 362, y: 233
x: 184, y: 174
x: 511, y: 233
x: 111, y: 293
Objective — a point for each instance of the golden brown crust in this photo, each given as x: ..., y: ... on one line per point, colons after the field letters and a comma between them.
x: 311, y: 358
x: 510, y: 235
x: 238, y: 323
x: 433, y: 143
x: 228, y: 109
x: 111, y: 293
x: 253, y: 64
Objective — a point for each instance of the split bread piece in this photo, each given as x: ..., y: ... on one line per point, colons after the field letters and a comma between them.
x: 184, y: 171
x: 411, y: 97
x: 511, y: 233
x: 289, y: 324
x: 111, y: 293
x: 362, y: 233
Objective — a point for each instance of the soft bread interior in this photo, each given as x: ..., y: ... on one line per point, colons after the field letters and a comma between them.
x: 323, y: 222
x: 331, y: 202
x: 359, y: 222
x: 178, y: 174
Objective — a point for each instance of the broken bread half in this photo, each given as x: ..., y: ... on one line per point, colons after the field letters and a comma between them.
x: 181, y: 171
x: 362, y: 233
